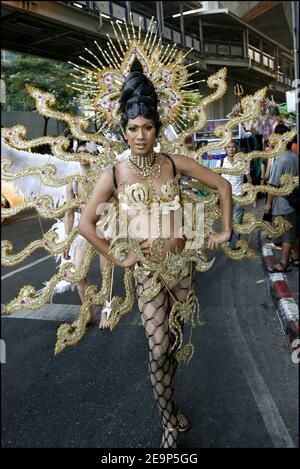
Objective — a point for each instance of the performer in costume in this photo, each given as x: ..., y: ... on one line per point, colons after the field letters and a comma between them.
x: 162, y: 262
x: 153, y: 178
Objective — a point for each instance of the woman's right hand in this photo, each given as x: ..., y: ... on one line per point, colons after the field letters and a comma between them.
x: 130, y: 259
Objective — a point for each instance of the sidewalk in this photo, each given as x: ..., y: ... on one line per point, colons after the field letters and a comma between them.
x: 284, y: 289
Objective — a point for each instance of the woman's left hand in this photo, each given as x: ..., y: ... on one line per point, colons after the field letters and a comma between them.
x: 145, y: 246
x: 214, y: 240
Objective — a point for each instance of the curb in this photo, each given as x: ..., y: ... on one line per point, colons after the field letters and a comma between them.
x: 285, y: 304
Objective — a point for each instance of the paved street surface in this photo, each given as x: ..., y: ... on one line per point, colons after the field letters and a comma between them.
x: 239, y: 391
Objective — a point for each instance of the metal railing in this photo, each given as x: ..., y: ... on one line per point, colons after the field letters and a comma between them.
x: 261, y: 58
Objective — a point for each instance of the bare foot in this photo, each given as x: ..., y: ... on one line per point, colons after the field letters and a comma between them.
x: 104, y: 322
x: 183, y: 423
x: 280, y: 267
x: 90, y: 319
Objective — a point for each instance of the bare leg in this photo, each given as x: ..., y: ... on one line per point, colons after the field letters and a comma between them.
x: 283, y: 265
x: 295, y: 252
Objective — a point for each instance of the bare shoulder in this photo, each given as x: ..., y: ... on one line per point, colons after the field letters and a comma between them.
x: 122, y: 164
x: 105, y: 181
x: 182, y: 162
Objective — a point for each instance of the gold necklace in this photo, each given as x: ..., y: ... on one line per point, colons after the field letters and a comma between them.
x: 145, y: 166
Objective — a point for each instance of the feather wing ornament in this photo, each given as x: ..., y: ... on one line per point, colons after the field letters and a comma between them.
x: 14, y: 162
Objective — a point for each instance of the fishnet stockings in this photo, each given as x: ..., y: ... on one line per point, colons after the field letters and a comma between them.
x: 162, y: 361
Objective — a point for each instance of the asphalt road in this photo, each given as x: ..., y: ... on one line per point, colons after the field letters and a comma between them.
x: 239, y: 391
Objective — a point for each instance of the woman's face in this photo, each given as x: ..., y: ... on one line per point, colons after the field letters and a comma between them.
x: 140, y: 133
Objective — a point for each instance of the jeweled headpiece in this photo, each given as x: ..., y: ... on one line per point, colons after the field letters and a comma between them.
x: 163, y: 65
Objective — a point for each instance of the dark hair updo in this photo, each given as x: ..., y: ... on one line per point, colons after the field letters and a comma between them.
x: 138, y: 98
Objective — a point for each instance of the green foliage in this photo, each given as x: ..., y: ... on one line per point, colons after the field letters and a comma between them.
x: 49, y: 75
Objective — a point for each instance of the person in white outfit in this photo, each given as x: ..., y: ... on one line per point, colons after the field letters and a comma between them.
x: 236, y: 184
x: 80, y: 245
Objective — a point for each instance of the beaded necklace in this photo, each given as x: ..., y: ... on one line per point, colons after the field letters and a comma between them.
x: 145, y: 166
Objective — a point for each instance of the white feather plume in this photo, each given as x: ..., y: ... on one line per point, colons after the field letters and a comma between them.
x: 31, y: 186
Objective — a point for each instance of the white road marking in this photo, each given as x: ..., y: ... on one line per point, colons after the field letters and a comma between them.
x: 26, y: 218
x: 49, y: 312
x: 25, y: 267
x: 66, y: 313
x: 17, y: 219
x: 273, y: 421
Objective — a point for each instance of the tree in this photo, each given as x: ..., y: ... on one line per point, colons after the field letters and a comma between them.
x: 49, y: 75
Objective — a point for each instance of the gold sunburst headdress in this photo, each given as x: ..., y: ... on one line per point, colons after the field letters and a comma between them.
x: 163, y: 65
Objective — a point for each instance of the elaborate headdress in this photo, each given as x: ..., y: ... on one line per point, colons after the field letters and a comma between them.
x: 101, y: 83
x: 164, y: 66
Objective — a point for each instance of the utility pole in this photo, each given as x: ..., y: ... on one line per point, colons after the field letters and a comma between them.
x: 295, y: 18
x: 128, y: 6
x: 182, y: 26
x: 160, y: 17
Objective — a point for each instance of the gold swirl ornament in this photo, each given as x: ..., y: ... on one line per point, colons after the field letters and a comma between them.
x: 120, y: 307
x: 186, y: 312
x: 68, y: 336
x: 47, y: 242
x: 27, y: 297
x: 44, y: 205
x: 251, y: 223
